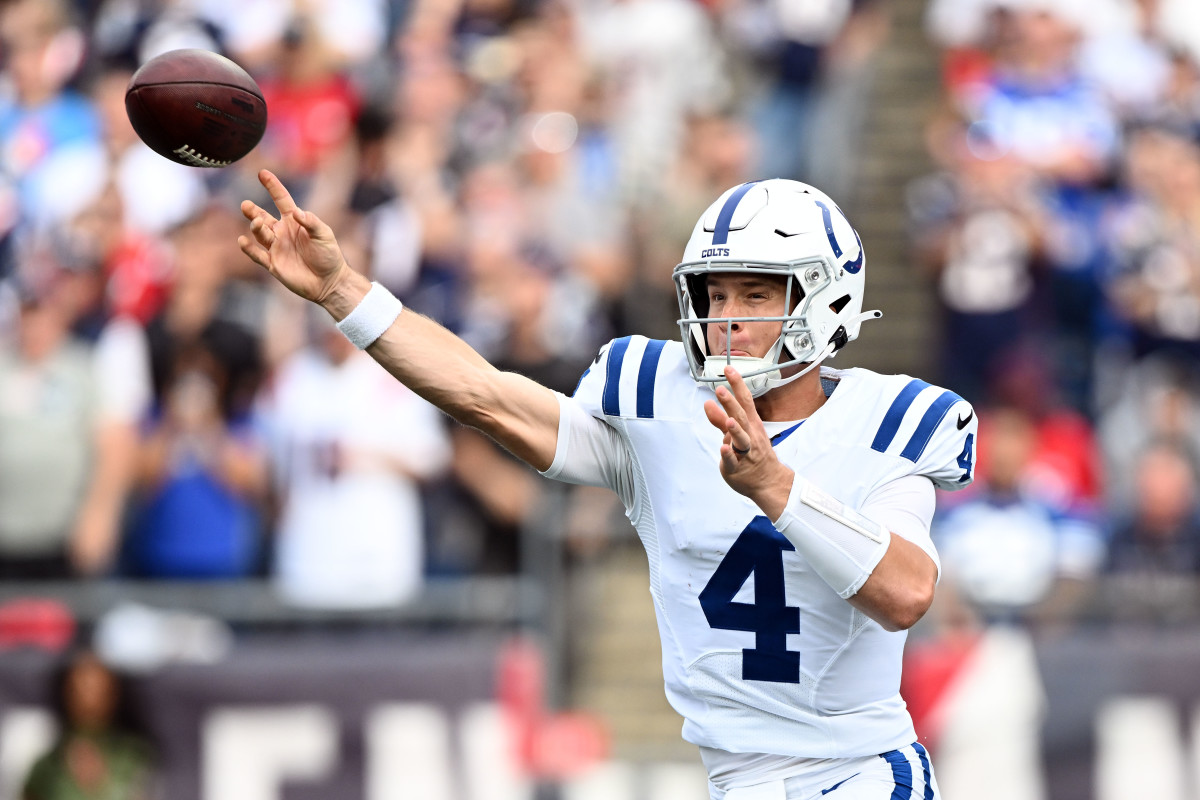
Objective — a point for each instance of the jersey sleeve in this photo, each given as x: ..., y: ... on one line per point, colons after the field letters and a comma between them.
x: 591, y: 451
x: 594, y: 447
x: 905, y: 507
x: 949, y: 458
x: 934, y: 429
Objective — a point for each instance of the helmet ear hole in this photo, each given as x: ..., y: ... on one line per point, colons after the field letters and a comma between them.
x: 837, y: 305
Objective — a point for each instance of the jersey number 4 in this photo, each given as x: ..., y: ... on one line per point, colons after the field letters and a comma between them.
x: 758, y: 552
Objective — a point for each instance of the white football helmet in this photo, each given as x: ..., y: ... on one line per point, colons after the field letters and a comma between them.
x: 787, y: 229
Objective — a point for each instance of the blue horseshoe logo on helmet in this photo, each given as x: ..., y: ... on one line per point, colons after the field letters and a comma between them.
x: 850, y: 266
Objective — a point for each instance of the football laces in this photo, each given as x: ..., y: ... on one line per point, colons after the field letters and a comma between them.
x: 195, y: 159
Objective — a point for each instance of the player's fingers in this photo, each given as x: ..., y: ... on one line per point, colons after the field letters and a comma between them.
x: 739, y: 439
x: 729, y: 461
x: 263, y: 231
x: 731, y: 405
x: 250, y: 210
x: 715, y: 415
x: 255, y: 253
x: 313, y: 224
x: 279, y: 193
x: 741, y: 391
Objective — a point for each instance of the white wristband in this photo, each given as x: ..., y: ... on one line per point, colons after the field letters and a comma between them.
x: 373, y: 315
x: 842, y: 545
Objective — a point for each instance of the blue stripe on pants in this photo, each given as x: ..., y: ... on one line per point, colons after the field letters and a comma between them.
x: 901, y: 774
x: 926, y: 773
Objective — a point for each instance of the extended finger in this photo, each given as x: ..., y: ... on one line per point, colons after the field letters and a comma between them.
x: 741, y: 391
x: 279, y: 193
x: 731, y: 405
x: 251, y: 210
x: 735, y: 435
x: 716, y: 416
x: 255, y: 252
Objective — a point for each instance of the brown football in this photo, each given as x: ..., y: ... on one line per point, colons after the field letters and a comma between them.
x: 196, y: 107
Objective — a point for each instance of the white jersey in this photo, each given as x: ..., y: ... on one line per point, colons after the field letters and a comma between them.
x: 760, y: 655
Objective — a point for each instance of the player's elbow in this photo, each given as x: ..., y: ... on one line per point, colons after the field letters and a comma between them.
x: 908, y: 607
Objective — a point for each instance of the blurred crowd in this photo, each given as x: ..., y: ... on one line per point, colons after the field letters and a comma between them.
x: 527, y: 172
x: 1061, y: 228
x: 524, y: 171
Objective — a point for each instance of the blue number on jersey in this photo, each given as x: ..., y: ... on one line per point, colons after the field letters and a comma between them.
x: 758, y: 551
x: 966, y: 457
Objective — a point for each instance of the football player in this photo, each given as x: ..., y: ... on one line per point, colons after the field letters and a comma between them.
x: 784, y: 506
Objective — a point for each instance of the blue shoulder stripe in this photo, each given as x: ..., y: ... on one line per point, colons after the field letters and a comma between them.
x: 610, y: 401
x: 928, y: 424
x: 895, y: 414
x: 646, y: 375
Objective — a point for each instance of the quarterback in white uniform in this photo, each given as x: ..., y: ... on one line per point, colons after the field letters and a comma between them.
x: 784, y: 506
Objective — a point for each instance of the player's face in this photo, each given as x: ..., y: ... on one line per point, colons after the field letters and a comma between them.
x: 744, y: 295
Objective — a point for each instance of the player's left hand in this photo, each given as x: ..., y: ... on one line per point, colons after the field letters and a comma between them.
x: 748, y: 462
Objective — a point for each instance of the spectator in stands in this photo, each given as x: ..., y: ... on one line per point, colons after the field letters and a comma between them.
x: 978, y: 227
x: 1154, y: 554
x: 804, y: 51
x: 1009, y: 552
x: 66, y: 432
x: 313, y: 104
x: 1156, y: 289
x: 1130, y: 60
x: 50, y: 135
x: 351, y: 523
x: 99, y: 753
x: 203, y: 481
x: 208, y: 307
x: 1066, y: 467
x: 663, y: 62
x: 1159, y: 402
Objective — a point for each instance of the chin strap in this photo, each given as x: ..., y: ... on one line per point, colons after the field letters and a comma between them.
x: 773, y: 382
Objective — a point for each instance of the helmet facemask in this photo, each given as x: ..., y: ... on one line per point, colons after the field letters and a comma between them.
x: 797, y: 343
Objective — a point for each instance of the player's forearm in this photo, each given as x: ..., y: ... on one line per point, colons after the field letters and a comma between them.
x: 883, y: 575
x: 900, y: 589
x: 443, y: 369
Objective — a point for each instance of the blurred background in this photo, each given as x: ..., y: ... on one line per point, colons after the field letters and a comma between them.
x: 240, y: 562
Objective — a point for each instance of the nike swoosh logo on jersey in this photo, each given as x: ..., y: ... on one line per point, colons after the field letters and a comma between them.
x: 962, y: 423
x: 839, y: 783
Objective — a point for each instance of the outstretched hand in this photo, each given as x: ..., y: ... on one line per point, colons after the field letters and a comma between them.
x: 298, y: 249
x: 748, y: 461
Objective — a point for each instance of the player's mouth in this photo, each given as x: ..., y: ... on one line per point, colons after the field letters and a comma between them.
x: 733, y: 353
